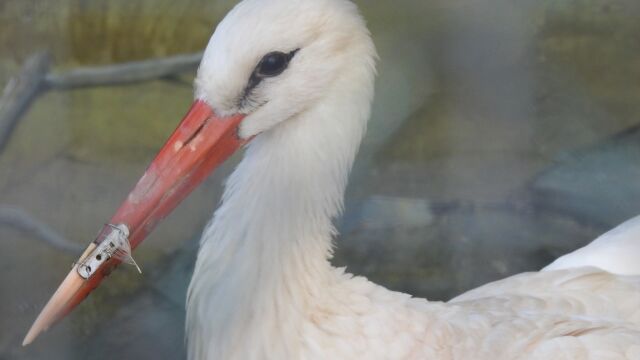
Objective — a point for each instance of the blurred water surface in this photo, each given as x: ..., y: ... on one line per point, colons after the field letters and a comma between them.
x: 503, y: 135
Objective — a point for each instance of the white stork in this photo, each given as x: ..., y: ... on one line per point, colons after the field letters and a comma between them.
x: 293, y: 79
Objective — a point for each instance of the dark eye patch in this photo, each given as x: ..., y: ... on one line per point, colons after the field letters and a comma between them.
x: 271, y: 65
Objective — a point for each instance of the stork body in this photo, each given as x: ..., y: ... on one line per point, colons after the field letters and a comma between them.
x: 263, y: 287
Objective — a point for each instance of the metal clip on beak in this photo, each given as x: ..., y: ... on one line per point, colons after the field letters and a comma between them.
x: 113, y: 241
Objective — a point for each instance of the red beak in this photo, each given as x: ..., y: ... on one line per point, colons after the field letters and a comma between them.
x: 201, y: 142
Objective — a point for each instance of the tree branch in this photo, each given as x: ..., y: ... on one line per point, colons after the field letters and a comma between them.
x: 20, y: 220
x: 125, y: 73
x: 19, y: 92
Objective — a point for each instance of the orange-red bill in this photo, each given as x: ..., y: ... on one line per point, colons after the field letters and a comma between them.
x: 201, y: 142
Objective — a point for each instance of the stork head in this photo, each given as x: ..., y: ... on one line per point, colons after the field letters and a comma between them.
x: 267, y: 62
x: 272, y: 59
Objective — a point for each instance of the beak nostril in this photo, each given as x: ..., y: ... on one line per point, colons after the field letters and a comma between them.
x: 195, y: 134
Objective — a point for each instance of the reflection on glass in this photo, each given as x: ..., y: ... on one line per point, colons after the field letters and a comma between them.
x: 503, y: 135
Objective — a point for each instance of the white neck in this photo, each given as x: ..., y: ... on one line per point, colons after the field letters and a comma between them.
x: 263, y: 260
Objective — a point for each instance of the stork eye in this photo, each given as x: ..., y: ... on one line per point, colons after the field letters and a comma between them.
x: 274, y: 64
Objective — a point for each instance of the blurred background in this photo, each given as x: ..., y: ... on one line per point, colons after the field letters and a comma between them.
x: 504, y: 134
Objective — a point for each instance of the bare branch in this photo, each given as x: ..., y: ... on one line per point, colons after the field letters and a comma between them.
x: 21, y: 220
x: 20, y: 92
x: 126, y: 73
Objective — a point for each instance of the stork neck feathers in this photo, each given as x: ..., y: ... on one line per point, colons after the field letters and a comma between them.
x: 264, y: 256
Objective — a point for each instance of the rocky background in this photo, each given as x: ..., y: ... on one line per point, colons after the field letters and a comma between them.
x: 504, y: 134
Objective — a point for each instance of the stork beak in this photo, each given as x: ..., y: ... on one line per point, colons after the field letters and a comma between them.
x: 201, y: 142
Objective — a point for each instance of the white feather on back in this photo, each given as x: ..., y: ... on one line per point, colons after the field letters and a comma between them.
x: 617, y: 251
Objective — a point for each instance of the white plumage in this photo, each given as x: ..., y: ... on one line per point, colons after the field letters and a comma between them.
x: 616, y: 251
x: 263, y: 287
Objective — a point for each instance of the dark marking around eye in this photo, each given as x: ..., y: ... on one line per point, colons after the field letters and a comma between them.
x: 271, y: 65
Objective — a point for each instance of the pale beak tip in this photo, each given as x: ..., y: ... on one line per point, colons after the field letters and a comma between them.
x: 31, y: 335
x: 54, y: 307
